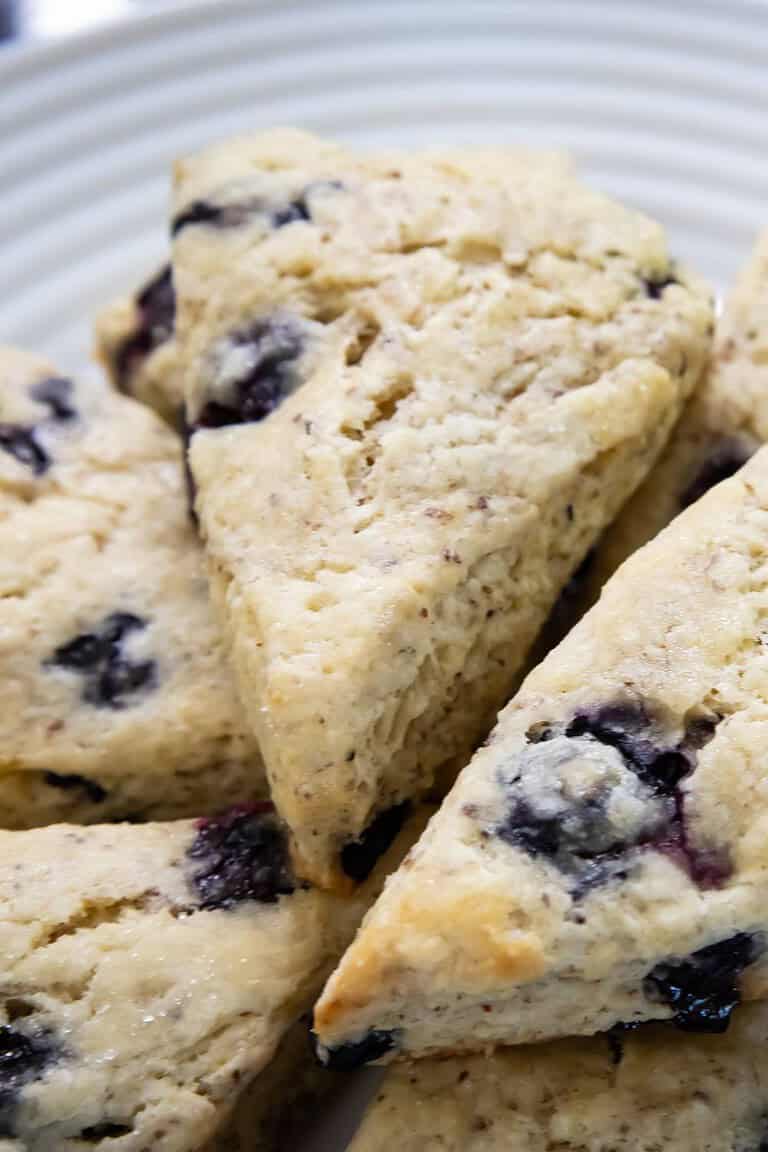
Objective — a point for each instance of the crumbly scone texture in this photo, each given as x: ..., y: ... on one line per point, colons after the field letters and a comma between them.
x: 603, y: 859
x: 136, y: 346
x: 149, y: 973
x: 637, y: 1093
x: 725, y: 421
x: 490, y: 358
x: 117, y: 697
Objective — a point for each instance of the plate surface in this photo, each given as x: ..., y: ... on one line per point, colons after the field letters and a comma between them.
x: 662, y: 102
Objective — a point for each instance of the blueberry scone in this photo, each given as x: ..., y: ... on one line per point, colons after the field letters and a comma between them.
x: 117, y: 698
x: 641, y: 1092
x: 149, y: 973
x: 135, y: 344
x: 419, y: 388
x: 724, y: 423
x: 604, y: 859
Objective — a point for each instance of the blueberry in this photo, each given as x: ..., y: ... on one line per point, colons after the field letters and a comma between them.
x: 109, y: 675
x: 289, y: 213
x: 724, y: 462
x: 359, y: 857
x: 268, y: 350
x: 576, y: 835
x: 71, y: 782
x: 373, y: 1046
x: 25, y: 1053
x: 628, y: 727
x: 56, y: 394
x: 663, y: 769
x: 538, y: 834
x: 655, y: 285
x: 299, y: 208
x: 106, y: 1130
x: 703, y: 989
x: 240, y: 855
x: 215, y: 215
x: 234, y: 215
x: 84, y: 652
x: 119, y: 624
x: 576, y: 832
x: 156, y: 307
x: 118, y: 678
x: 20, y: 442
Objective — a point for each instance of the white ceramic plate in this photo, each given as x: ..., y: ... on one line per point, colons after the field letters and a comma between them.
x: 662, y: 101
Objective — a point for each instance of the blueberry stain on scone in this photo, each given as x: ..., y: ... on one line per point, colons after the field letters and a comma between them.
x: 375, y: 1044
x: 252, y: 371
x: 22, y: 440
x: 106, y: 1130
x: 56, y: 394
x: 703, y: 989
x: 26, y: 1053
x: 725, y: 461
x: 72, y: 782
x: 628, y: 727
x: 237, y: 213
x: 240, y: 855
x: 111, y: 678
x: 156, y: 321
x: 655, y: 285
x: 21, y: 443
x: 359, y: 857
x: 591, y: 794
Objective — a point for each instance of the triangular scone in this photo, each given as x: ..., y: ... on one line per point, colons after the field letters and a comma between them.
x: 724, y: 423
x: 116, y: 696
x: 605, y: 858
x: 136, y: 347
x: 640, y: 1092
x: 149, y: 974
x: 491, y: 357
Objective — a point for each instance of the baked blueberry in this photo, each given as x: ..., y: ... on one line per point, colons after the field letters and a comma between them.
x: 587, y: 835
x: 655, y: 285
x: 25, y: 1053
x: 628, y: 727
x: 359, y: 857
x: 56, y: 394
x: 70, y: 782
x: 703, y: 989
x: 216, y: 215
x: 205, y: 212
x: 265, y: 355
x: 106, y: 1130
x: 288, y: 213
x: 373, y: 1046
x: 724, y: 462
x: 109, y: 675
x: 594, y: 837
x: 156, y: 309
x: 240, y: 855
x: 20, y: 442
